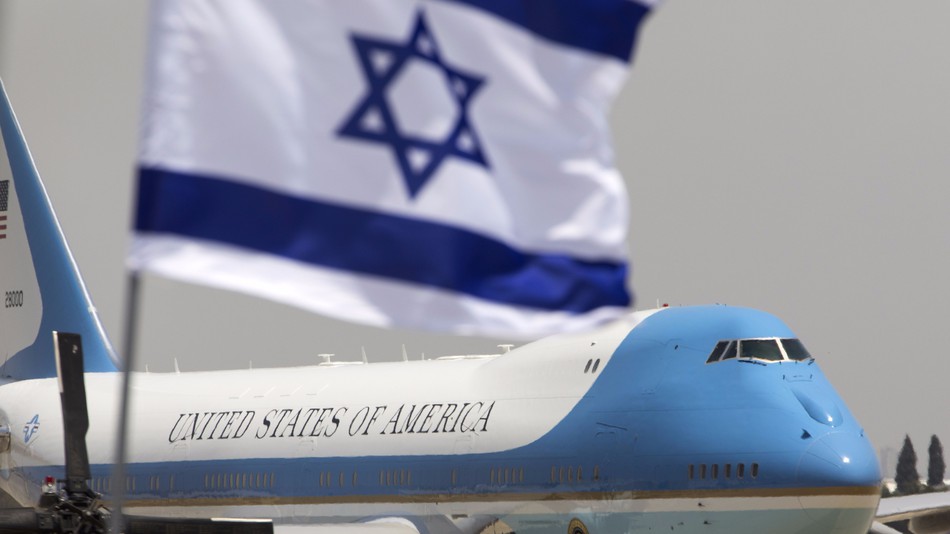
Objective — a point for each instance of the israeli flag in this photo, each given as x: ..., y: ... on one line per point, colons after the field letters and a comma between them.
x: 427, y: 164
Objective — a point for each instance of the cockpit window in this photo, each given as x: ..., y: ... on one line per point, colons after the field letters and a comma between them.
x: 796, y: 350
x: 760, y: 349
x: 730, y: 351
x: 717, y: 352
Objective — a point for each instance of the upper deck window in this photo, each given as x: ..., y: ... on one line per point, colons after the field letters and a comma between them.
x: 762, y: 350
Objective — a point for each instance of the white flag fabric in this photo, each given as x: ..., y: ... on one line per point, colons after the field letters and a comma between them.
x: 442, y: 165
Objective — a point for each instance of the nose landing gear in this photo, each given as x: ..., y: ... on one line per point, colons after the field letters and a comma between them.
x: 576, y: 526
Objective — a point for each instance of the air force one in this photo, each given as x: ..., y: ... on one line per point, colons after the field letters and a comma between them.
x: 687, y: 419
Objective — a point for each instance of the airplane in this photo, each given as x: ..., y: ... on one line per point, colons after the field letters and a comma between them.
x: 688, y: 419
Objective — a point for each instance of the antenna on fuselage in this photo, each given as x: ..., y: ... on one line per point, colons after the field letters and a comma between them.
x: 405, y: 356
x: 363, y: 350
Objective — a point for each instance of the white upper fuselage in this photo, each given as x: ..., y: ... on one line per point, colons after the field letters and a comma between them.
x: 431, y: 407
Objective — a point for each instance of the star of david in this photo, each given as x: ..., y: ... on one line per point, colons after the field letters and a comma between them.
x: 374, y: 119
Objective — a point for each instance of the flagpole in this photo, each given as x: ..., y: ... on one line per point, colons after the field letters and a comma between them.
x: 128, y: 359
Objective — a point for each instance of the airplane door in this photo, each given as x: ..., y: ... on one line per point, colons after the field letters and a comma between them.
x: 464, y: 444
x: 179, y: 452
x: 613, y: 440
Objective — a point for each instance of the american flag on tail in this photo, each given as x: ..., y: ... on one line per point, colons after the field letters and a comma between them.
x: 4, y: 200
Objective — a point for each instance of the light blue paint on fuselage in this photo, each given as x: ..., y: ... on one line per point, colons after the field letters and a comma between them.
x: 662, y: 408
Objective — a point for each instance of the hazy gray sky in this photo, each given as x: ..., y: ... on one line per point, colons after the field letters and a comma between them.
x: 791, y: 157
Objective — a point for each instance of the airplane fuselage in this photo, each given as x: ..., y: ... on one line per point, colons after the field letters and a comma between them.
x: 625, y: 429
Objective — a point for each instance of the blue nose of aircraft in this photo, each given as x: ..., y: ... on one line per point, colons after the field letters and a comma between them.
x: 839, y: 459
x: 840, y: 476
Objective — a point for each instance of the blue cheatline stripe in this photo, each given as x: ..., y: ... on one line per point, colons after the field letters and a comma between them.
x: 373, y: 243
x: 606, y: 27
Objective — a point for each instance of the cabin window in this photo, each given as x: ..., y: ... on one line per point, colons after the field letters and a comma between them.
x: 740, y: 470
x: 755, y: 470
x: 714, y: 471
x: 596, y: 472
x: 692, y: 471
x: 553, y: 474
x: 596, y: 365
x: 587, y: 367
x: 702, y: 471
x: 728, y: 470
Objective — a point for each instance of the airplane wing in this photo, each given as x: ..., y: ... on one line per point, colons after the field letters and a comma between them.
x: 401, y: 525
x: 879, y: 528
x: 927, y: 512
x: 383, y: 526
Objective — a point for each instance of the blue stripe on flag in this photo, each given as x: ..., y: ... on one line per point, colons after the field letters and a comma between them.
x: 602, y: 26
x: 373, y: 243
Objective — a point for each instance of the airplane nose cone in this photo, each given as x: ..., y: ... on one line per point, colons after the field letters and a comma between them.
x: 839, y: 459
x: 842, y: 477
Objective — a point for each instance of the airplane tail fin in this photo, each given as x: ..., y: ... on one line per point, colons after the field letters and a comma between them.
x: 40, y: 284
